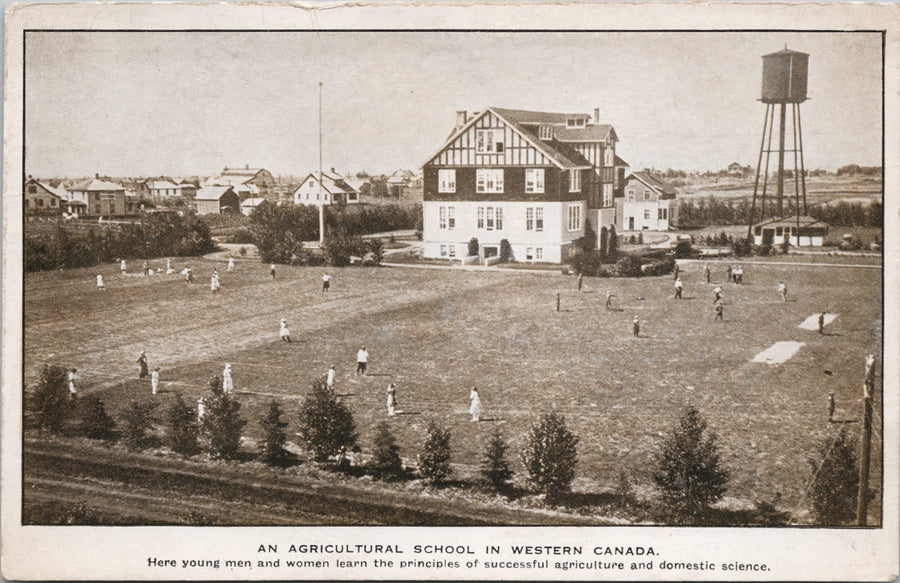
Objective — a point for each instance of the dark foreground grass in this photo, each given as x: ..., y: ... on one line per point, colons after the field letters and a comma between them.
x: 437, y: 333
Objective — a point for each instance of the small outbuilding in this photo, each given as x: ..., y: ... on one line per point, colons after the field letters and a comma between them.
x: 213, y: 200
x: 811, y: 233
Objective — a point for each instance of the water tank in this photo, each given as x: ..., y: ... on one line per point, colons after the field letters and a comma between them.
x: 784, y: 77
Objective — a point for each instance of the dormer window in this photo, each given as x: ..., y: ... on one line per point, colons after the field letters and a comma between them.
x: 545, y: 133
x: 489, y: 141
x: 575, y: 122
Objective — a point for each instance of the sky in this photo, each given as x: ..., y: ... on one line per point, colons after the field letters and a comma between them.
x: 179, y: 104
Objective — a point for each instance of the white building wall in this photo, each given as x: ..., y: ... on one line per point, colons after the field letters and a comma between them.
x: 637, y: 209
x: 552, y: 240
x: 307, y: 192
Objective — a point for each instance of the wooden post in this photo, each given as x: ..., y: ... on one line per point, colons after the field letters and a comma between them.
x: 862, y: 501
x: 557, y: 302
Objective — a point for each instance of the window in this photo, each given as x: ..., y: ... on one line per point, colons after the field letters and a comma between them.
x: 646, y: 195
x: 443, y: 250
x: 40, y: 202
x: 529, y: 254
x: 499, y: 218
x: 490, y: 218
x: 32, y: 189
x: 529, y: 218
x: 539, y: 219
x: 574, y: 217
x: 451, y: 218
x: 489, y: 180
x: 52, y: 202
x: 663, y: 214
x: 447, y: 180
x: 534, y: 180
x: 778, y: 231
x: 575, y: 122
x: 574, y: 180
x: 451, y: 250
x: 609, y: 156
x: 96, y: 209
x: 546, y: 133
x: 442, y: 217
x: 539, y: 253
x: 481, y: 217
x: 489, y: 141
x: 607, y: 195
x: 646, y: 214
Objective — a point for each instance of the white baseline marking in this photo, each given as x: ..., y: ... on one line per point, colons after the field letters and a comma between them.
x: 778, y: 352
x: 812, y: 323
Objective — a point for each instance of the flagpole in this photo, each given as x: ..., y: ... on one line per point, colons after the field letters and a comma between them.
x: 321, y: 200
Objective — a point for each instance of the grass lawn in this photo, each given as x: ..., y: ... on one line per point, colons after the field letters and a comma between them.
x: 436, y: 333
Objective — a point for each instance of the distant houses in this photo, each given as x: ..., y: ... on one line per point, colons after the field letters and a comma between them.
x: 246, y: 182
x: 217, y: 200
x: 43, y: 200
x: 102, y: 198
x: 811, y: 232
x: 335, y: 189
x: 649, y: 204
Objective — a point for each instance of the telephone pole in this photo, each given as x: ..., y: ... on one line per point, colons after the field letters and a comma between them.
x: 862, y: 501
x: 321, y: 200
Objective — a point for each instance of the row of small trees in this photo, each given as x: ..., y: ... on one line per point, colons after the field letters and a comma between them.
x: 687, y: 471
x: 158, y: 235
x: 715, y: 211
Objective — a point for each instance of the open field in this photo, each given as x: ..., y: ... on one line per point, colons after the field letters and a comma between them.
x: 819, y: 189
x: 438, y: 332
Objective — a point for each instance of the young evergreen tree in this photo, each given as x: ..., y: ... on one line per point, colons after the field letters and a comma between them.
x: 137, y: 423
x: 273, y: 452
x: 95, y: 421
x: 688, y: 469
x: 550, y: 455
x: 494, y: 468
x: 435, y: 459
x: 50, y: 401
x: 221, y: 425
x: 326, y: 424
x: 833, y: 495
x: 386, y: 456
x: 473, y: 247
x: 612, y: 244
x: 182, y: 430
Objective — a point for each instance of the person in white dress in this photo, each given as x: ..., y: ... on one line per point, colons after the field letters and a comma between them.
x: 227, y: 382
x: 100, y: 282
x: 329, y: 377
x: 201, y: 409
x: 230, y: 264
x: 391, y: 398
x: 474, y: 404
x: 122, y: 266
x: 154, y: 381
x: 782, y: 289
x: 73, y: 393
x: 169, y: 269
x: 283, y: 331
x: 362, y: 360
x: 214, y: 283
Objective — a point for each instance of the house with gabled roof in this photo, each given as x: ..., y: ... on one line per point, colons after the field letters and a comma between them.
x: 246, y: 181
x: 41, y: 199
x: 802, y: 231
x: 335, y: 190
x: 650, y: 203
x: 100, y: 197
x: 534, y: 179
x: 217, y: 200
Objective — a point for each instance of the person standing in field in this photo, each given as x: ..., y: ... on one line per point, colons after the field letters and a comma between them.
x: 580, y: 280
x: 100, y: 285
x: 391, y: 398
x: 329, y: 377
x: 717, y: 295
x: 706, y: 271
x: 73, y: 392
x: 831, y: 407
x: 728, y: 273
x: 145, y: 267
x: 362, y: 360
x: 782, y: 289
x: 678, y: 288
x: 609, y: 297
x: 154, y: 381
x: 143, y: 370
x: 214, y: 283
x: 676, y: 271
x: 719, y: 314
x: 122, y: 266
x: 272, y: 270
x: 636, y: 327
x: 822, y: 323
x: 189, y: 275
x: 230, y: 264
x: 283, y: 331
x: 474, y: 404
x: 201, y: 409
x: 169, y: 269
x: 227, y: 382
x: 326, y: 282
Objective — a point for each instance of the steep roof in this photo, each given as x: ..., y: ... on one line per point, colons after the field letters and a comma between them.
x: 212, y: 192
x: 330, y: 184
x: 95, y: 184
x: 654, y: 182
x: 50, y: 190
x: 791, y: 221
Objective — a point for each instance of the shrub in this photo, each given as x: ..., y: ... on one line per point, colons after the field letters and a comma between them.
x: 683, y: 248
x: 221, y: 425
x: 243, y: 251
x: 640, y: 238
x: 688, y: 470
x: 627, y: 266
x: 95, y: 421
x: 742, y: 246
x: 505, y: 251
x: 376, y: 248
x: 386, y: 457
x: 550, y: 455
x: 494, y: 468
x: 473, y: 247
x: 612, y: 244
x: 326, y: 424
x: 660, y: 267
x: 49, y: 404
x: 833, y: 495
x: 137, y: 423
x: 604, y: 242
x: 434, y: 464
x: 339, y: 246
x: 273, y: 452
x: 182, y: 430
x: 586, y: 262
x: 241, y: 235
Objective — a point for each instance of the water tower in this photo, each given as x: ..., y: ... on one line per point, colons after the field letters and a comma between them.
x: 783, y: 82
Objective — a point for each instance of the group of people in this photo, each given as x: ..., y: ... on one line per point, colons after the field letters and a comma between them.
x: 474, y: 402
x: 187, y: 272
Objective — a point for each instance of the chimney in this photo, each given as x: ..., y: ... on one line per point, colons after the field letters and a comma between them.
x: 332, y: 170
x: 461, y: 118
x: 246, y: 166
x: 596, y: 115
x: 97, y: 175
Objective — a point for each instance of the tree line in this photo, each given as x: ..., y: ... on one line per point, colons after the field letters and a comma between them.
x: 714, y: 211
x: 687, y: 471
x: 157, y: 235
